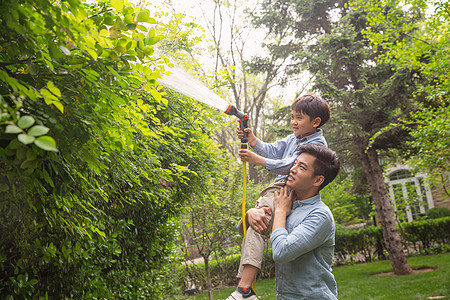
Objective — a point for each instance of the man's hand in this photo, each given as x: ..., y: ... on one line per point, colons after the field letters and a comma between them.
x: 283, y: 200
x: 283, y: 206
x: 257, y: 219
x: 251, y: 137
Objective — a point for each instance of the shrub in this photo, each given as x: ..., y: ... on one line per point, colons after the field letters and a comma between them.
x: 350, y: 243
x: 223, y: 272
x: 437, y: 212
x: 423, y: 234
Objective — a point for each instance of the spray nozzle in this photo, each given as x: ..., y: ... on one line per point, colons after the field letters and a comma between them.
x: 243, y: 121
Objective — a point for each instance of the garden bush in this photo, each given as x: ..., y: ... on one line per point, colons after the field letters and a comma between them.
x: 96, y: 160
x: 223, y: 272
x: 419, y: 237
x: 437, y: 212
x: 426, y: 235
x: 352, y: 243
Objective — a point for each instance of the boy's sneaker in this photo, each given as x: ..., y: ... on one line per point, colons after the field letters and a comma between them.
x: 243, y: 294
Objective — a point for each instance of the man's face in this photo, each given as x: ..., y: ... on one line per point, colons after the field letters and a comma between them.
x: 301, y: 176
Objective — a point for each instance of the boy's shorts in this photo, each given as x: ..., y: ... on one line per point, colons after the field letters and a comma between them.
x: 252, y: 249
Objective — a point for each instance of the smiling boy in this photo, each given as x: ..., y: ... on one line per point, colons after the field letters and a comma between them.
x: 309, y: 113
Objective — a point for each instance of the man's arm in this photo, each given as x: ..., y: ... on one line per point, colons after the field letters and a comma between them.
x: 282, y: 203
x: 256, y: 218
x: 306, y: 236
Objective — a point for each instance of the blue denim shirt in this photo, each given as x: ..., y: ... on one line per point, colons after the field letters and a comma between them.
x: 281, y: 154
x: 303, y: 252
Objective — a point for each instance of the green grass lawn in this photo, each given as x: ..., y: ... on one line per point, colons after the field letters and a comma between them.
x: 358, y: 282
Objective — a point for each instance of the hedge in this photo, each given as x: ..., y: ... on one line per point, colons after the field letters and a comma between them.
x: 419, y: 237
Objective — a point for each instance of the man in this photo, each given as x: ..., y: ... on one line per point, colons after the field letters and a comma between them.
x: 303, y: 243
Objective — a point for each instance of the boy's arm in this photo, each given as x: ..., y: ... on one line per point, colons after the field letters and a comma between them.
x: 251, y: 157
x: 282, y: 166
x: 272, y: 150
x: 267, y: 152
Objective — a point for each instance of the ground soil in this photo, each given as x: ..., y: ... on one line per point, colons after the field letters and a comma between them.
x: 424, y: 270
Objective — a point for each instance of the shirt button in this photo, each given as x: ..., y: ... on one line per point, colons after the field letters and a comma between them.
x: 281, y: 277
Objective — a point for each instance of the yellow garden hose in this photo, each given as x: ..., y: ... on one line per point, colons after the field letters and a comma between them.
x: 243, y: 200
x: 244, y: 226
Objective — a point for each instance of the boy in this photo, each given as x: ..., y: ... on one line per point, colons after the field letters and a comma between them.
x: 303, y: 243
x: 309, y: 112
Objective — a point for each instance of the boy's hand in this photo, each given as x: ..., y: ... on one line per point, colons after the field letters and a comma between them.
x: 251, y: 137
x: 283, y: 200
x: 251, y: 157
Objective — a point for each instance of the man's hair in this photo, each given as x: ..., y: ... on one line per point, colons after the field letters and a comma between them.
x: 314, y: 106
x: 326, y: 163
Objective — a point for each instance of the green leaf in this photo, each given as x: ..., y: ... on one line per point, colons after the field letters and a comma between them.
x: 30, y: 164
x: 30, y: 154
x: 46, y: 142
x: 117, y: 4
x: 38, y: 130
x: 53, y: 89
x: 59, y: 106
x: 13, y: 129
x: 128, y: 18
x: 25, y: 122
x: 108, y: 21
x: 64, y: 50
x: 131, y: 26
x: 143, y: 15
x: 14, y: 144
x: 25, y: 138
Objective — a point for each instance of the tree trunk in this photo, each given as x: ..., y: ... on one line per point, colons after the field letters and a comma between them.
x: 384, y: 210
x: 254, y: 174
x: 208, y: 277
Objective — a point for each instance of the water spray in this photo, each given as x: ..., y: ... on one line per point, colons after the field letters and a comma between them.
x: 185, y: 84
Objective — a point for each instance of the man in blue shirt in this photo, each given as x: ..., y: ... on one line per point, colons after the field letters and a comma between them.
x: 303, y: 228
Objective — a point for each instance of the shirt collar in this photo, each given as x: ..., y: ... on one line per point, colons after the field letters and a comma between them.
x: 318, y: 133
x: 309, y: 201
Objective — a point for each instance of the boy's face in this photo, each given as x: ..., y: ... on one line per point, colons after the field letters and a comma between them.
x: 302, y: 125
x: 301, y: 176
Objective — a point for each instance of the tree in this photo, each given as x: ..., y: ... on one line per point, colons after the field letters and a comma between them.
x: 420, y: 46
x: 365, y: 95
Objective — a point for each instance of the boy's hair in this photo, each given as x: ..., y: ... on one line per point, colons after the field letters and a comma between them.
x: 314, y: 106
x: 326, y: 163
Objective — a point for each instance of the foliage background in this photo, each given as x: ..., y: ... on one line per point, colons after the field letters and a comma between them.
x: 100, y: 195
